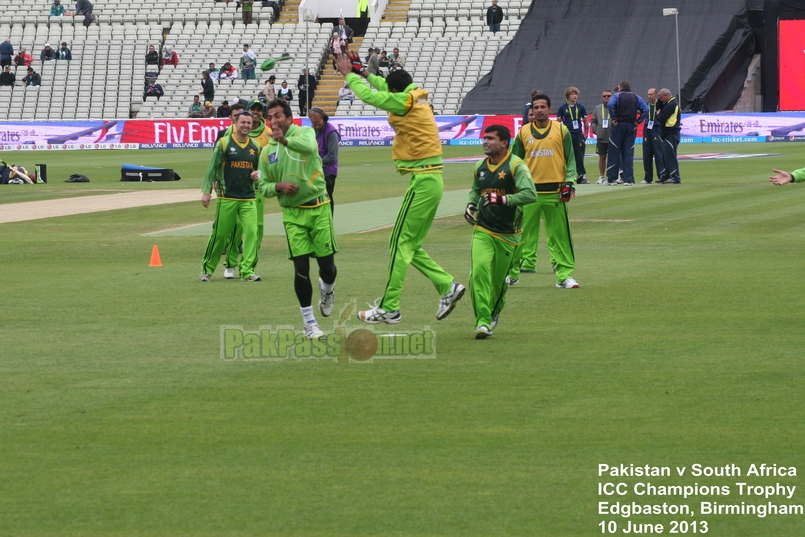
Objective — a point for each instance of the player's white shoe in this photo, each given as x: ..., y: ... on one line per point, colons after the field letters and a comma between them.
x: 252, y: 278
x: 448, y: 301
x: 326, y: 301
x: 229, y: 274
x: 204, y: 277
x: 377, y: 315
x: 494, y: 323
x: 313, y: 331
x: 601, y: 180
x: 482, y: 332
x: 511, y: 282
x: 568, y: 283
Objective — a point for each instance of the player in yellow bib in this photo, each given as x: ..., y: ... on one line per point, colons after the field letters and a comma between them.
x: 547, y: 147
x: 417, y: 150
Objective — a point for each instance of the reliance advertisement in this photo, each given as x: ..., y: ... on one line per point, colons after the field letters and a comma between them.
x: 359, y: 131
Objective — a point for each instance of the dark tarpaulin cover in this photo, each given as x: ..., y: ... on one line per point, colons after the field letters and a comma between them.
x: 593, y: 45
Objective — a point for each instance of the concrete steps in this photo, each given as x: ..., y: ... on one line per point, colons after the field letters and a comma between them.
x: 329, y: 84
x: 396, y: 11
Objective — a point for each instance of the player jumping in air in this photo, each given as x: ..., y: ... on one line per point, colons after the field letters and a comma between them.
x: 501, y: 185
x: 233, y: 165
x: 291, y: 171
x: 417, y: 150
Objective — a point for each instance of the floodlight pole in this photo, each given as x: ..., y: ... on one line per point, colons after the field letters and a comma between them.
x: 678, y: 70
x: 667, y: 12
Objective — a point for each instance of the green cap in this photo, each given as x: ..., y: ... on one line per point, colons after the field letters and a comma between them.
x: 254, y: 102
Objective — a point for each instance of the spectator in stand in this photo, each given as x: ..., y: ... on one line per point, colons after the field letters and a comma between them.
x: 363, y: 15
x: 23, y: 59
x: 212, y: 71
x: 194, y: 110
x: 171, y: 58
x: 84, y: 7
x: 384, y: 59
x: 227, y: 72
x: 345, y: 33
x: 47, y: 54
x: 494, y: 16
x: 153, y: 90
x: 269, y: 93
x: 374, y: 62
x: 337, y: 46
x: 223, y: 110
x: 64, y: 52
x: 207, y: 87
x: 396, y: 57
x: 285, y: 92
x: 152, y: 57
x: 346, y: 94
x: 56, y: 9
x: 246, y: 10
x: 6, y: 52
x: 307, y: 89
x: 7, y: 78
x: 248, y: 61
x: 33, y: 78
x: 208, y: 110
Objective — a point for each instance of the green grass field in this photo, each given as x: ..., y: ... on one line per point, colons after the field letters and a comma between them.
x: 684, y: 345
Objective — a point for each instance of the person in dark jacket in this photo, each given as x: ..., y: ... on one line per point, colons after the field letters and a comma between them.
x: 64, y: 53
x: 494, y: 16
x: 627, y: 111
x: 152, y: 58
x: 670, y: 121
x: 33, y: 78
x: 207, y: 87
x: 6, y: 52
x: 48, y: 53
x: 7, y: 78
x: 223, y: 110
x: 327, y: 137
x: 307, y: 90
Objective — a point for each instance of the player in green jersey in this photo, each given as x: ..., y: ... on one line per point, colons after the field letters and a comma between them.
x: 501, y: 185
x: 233, y: 164
x: 416, y: 150
x: 547, y: 148
x: 260, y: 134
x: 291, y: 171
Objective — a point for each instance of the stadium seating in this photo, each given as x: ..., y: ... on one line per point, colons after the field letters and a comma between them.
x: 446, y: 46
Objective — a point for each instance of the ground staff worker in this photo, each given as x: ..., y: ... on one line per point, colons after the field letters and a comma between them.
x: 233, y: 166
x: 327, y: 137
x: 652, y: 143
x: 417, y: 150
x: 502, y: 183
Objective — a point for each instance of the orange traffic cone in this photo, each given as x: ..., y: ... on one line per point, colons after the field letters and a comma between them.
x: 155, y: 260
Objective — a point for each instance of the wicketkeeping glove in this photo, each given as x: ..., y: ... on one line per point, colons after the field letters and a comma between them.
x: 492, y: 198
x: 357, y: 64
x: 471, y: 214
x: 567, y: 191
